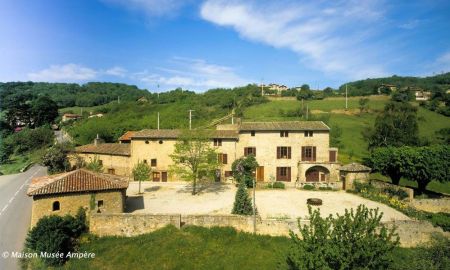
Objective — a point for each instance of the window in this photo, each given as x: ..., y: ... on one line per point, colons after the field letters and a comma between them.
x: 228, y: 173
x: 308, y: 133
x: 160, y: 142
x: 147, y: 142
x: 153, y: 162
x: 55, y: 206
x: 100, y: 203
x: 217, y: 142
x: 111, y: 171
x: 156, y: 176
x: 283, y: 152
x: 100, y: 162
x: 249, y: 151
x: 308, y: 153
x: 284, y: 174
x: 222, y: 158
x: 252, y: 133
x: 284, y: 134
x: 145, y: 161
x: 332, y: 156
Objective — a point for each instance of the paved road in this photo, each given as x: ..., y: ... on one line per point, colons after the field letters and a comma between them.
x: 15, y: 212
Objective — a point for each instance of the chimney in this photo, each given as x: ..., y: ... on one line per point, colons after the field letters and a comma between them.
x: 96, y: 140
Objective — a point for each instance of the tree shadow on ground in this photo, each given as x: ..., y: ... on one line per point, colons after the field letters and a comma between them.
x: 205, y: 187
x: 151, y: 189
x: 134, y: 203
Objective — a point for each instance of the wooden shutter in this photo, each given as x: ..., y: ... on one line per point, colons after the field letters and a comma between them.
x: 278, y: 173
x: 289, y: 152
x: 245, y: 151
x: 314, y: 153
x: 288, y: 174
x: 278, y: 152
x: 303, y: 153
x: 332, y: 156
x: 224, y: 158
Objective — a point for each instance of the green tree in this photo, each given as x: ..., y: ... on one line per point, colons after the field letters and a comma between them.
x: 363, y: 105
x: 243, y: 169
x: 43, y: 111
x: 95, y: 165
x: 356, y: 240
x: 395, y: 126
x: 388, y: 161
x: 141, y: 172
x: 242, y: 203
x: 194, y: 158
x: 336, y: 136
x: 56, y: 158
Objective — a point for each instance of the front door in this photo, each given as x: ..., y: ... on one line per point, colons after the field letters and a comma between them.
x: 156, y: 177
x: 312, y: 176
x: 164, y: 176
x: 322, y: 177
x: 260, y: 174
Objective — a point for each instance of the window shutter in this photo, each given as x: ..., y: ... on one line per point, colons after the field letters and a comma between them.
x: 314, y: 153
x: 332, y: 156
x: 289, y: 152
x: 278, y: 152
x: 303, y: 153
x: 224, y: 158
x: 245, y: 151
x: 288, y: 173
x: 278, y: 174
x: 254, y: 151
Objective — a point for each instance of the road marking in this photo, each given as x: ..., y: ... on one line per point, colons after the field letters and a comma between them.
x: 15, y: 194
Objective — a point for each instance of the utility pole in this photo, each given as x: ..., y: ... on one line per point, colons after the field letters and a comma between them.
x: 307, y: 109
x: 254, y: 206
x: 346, y: 102
x: 118, y: 99
x: 190, y: 118
x: 262, y: 87
x: 158, y: 120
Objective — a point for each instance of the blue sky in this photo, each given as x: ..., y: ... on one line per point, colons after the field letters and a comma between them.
x: 200, y: 45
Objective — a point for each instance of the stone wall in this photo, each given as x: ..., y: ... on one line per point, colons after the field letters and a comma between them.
x: 113, y: 202
x: 382, y: 184
x: 411, y: 232
x: 432, y: 205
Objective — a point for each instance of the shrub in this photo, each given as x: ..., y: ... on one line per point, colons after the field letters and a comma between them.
x: 308, y: 187
x: 278, y: 185
x: 325, y: 188
x: 56, y: 234
x: 356, y: 240
x: 394, y: 192
x: 95, y: 165
x: 440, y: 219
x: 242, y: 203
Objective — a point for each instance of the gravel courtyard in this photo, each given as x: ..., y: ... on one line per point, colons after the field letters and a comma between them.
x: 176, y: 198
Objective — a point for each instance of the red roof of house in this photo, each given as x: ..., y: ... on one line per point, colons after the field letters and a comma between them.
x: 127, y: 136
x: 71, y: 115
x: 80, y: 180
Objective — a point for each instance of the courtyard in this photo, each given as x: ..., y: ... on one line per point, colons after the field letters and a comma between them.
x: 217, y: 199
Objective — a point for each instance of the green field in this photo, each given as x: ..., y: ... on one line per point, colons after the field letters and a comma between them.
x: 351, y: 122
x: 202, y: 248
x: 17, y: 162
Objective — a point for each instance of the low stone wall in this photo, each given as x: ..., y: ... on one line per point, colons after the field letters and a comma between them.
x: 130, y: 224
x: 432, y: 205
x: 382, y: 184
x: 334, y: 185
x: 411, y: 232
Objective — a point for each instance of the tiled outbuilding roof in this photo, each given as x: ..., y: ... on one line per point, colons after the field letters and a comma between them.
x: 175, y: 133
x: 355, y: 167
x: 291, y: 125
x: 80, y: 180
x: 127, y: 136
x: 117, y: 149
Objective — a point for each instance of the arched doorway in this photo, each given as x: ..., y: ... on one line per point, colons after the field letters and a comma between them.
x: 317, y: 174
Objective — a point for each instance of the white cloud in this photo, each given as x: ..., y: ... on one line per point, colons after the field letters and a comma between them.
x: 195, y: 74
x: 410, y: 24
x: 61, y: 73
x: 442, y: 63
x: 151, y: 7
x: 330, y: 36
x: 74, y: 73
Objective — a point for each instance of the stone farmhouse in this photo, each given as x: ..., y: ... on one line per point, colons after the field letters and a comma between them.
x: 292, y: 152
x: 65, y: 193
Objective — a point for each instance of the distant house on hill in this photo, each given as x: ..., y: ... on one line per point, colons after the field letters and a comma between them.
x: 277, y: 88
x: 70, y: 116
x: 142, y: 99
x: 65, y: 193
x: 385, y: 86
x: 91, y: 115
x: 422, y: 95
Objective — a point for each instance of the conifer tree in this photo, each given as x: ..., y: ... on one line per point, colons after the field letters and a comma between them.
x: 242, y: 203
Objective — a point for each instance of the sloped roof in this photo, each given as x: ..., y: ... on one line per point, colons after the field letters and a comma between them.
x: 80, y: 180
x: 127, y: 136
x: 117, y: 149
x: 175, y: 133
x: 355, y: 167
x: 291, y: 125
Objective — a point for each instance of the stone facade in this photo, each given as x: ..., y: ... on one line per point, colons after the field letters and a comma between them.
x: 432, y: 205
x: 113, y: 164
x: 111, y: 201
x: 273, y: 162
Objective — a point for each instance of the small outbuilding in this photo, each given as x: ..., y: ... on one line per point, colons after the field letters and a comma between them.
x: 351, y: 172
x: 65, y: 193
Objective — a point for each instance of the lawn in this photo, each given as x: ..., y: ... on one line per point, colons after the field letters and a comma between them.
x: 202, y: 248
x: 433, y: 186
x: 352, y: 123
x: 17, y: 162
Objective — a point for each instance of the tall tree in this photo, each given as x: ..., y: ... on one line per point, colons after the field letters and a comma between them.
x: 244, y: 168
x: 56, y: 158
x: 194, y: 158
x: 43, y: 111
x: 388, y: 161
x: 141, y: 172
x: 395, y: 126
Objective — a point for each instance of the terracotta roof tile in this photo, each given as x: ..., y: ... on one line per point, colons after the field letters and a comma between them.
x: 80, y: 180
x: 291, y: 125
x: 127, y: 136
x: 117, y: 149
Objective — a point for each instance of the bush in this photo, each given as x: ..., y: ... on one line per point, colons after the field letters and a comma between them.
x: 393, y: 192
x: 356, y: 240
x: 56, y: 234
x: 278, y: 185
x: 325, y: 188
x: 309, y: 187
x: 242, y: 203
x: 440, y: 219
x: 56, y: 159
